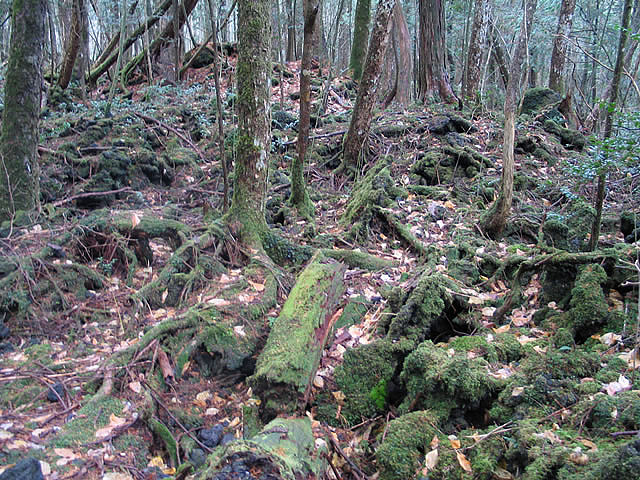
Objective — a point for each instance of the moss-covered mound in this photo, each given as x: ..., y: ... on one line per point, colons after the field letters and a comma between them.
x: 365, y: 379
x: 407, y: 440
x: 375, y: 189
x: 437, y: 379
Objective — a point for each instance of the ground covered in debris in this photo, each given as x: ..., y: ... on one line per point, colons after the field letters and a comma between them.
x: 130, y: 331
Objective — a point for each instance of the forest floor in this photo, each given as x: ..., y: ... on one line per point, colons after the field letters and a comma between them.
x: 544, y: 389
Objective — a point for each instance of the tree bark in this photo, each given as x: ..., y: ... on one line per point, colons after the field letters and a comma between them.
x: 360, y: 37
x: 355, y: 143
x: 559, y: 52
x: 608, y: 125
x: 401, y: 89
x: 291, y: 32
x: 299, y: 196
x: 246, y: 215
x: 477, y: 50
x: 433, y: 79
x: 73, y: 43
x: 287, y: 365
x: 19, y: 170
x: 495, y: 219
x: 219, y: 113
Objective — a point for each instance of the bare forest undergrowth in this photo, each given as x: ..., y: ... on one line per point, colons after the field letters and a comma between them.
x: 132, y: 322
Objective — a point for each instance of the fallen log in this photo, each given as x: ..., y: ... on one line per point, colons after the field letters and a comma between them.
x: 282, y: 450
x: 287, y: 365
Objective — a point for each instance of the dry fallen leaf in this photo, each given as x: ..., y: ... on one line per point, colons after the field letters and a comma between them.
x: 258, y: 287
x: 578, y: 457
x: 455, y: 443
x: 135, y: 387
x: 464, y: 463
x: 431, y: 459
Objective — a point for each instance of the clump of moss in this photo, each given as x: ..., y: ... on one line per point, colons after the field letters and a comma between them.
x: 363, y: 378
x: 432, y: 374
x: 375, y: 189
x: 403, y: 449
x: 571, y: 139
x: 422, y: 312
x: 588, y: 306
x: 474, y: 346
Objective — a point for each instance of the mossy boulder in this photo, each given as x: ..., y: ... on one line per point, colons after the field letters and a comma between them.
x: 365, y: 378
x: 571, y: 139
x: 434, y: 376
x: 375, y: 189
x: 630, y: 226
x: 589, y: 310
x: 539, y: 98
x: 204, y: 57
x: 425, y: 311
x: 442, y: 166
x: 408, y: 437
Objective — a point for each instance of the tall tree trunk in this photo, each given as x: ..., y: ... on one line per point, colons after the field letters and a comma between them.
x: 400, y: 91
x: 291, y: 31
x: 219, y: 113
x: 433, y: 79
x: 299, y: 196
x: 355, y: 143
x: 559, y: 52
x: 360, y: 37
x: 19, y: 171
x: 176, y: 40
x: 73, y: 43
x: 608, y: 125
x: 477, y: 48
x: 246, y: 215
x: 494, y: 221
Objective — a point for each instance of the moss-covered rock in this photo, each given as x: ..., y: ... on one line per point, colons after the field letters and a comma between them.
x: 588, y: 306
x: 571, y: 139
x: 433, y: 376
x: 539, y: 98
x: 375, y: 189
x: 364, y: 377
x: 408, y: 437
x: 426, y: 311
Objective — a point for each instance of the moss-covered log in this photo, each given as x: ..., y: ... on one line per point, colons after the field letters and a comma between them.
x: 287, y: 365
x: 283, y: 450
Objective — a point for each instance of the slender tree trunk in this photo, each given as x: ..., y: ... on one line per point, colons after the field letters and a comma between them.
x: 246, y: 215
x: 433, y: 79
x: 360, y: 37
x: 176, y: 40
x: 608, y: 125
x: 73, y: 44
x: 118, y: 73
x: 219, y: 113
x: 559, y: 52
x: 477, y: 48
x: 495, y: 219
x: 291, y: 31
x: 355, y: 143
x: 299, y: 196
x: 19, y: 171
